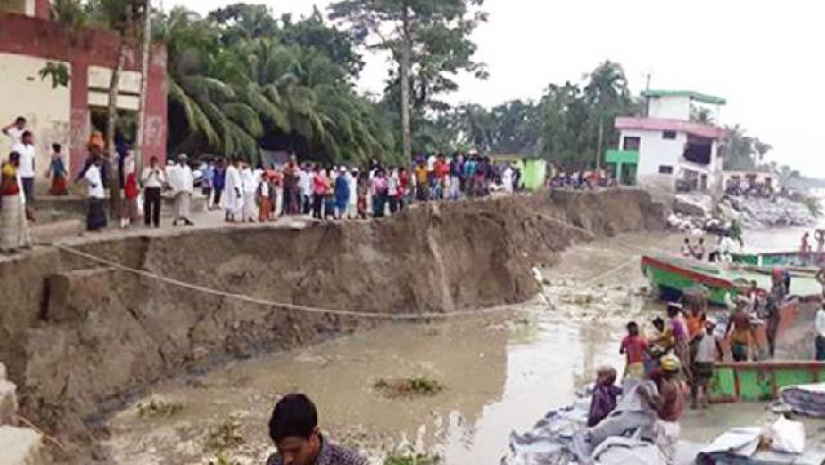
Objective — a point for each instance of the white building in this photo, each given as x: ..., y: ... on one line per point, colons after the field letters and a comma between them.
x: 673, y: 150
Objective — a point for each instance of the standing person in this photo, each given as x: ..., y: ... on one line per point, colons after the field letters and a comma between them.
x: 319, y: 190
x: 805, y: 249
x: 380, y: 189
x: 15, y: 130
x: 249, y: 188
x: 342, y: 194
x: 329, y: 197
x: 218, y: 183
x: 422, y: 182
x: 208, y: 180
x: 403, y: 188
x: 96, y: 197
x: 776, y: 301
x: 129, y: 213
x: 14, y: 230
x: 352, y: 178
x: 305, y: 188
x: 233, y: 198
x: 289, y: 179
x: 677, y: 328
x: 605, y: 396
x: 820, y: 334
x: 392, y: 191
x: 507, y: 180
x: 699, y: 250
x: 58, y: 172
x: 455, y: 176
x: 182, y: 183
x: 153, y: 179
x: 28, y: 154
x: 739, y: 332
x: 363, y: 192
x: 708, y: 351
x: 293, y: 428
x: 669, y: 405
x: 264, y: 195
x: 634, y: 348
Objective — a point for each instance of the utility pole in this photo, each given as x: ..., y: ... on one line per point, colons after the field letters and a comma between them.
x: 647, y: 98
x: 144, y: 83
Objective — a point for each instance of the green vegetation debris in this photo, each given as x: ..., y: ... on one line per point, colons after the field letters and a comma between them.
x: 223, y: 458
x: 159, y: 409
x: 412, y: 459
x: 226, y: 436
x: 409, y: 387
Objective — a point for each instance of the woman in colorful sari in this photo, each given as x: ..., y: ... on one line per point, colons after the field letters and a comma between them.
x: 14, y: 232
x: 58, y: 173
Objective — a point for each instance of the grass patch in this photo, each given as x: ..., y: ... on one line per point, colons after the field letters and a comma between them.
x: 159, y: 409
x: 412, y: 459
x: 409, y: 387
x: 226, y: 436
x: 223, y: 458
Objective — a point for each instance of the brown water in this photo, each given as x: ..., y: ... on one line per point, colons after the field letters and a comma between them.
x: 501, y: 375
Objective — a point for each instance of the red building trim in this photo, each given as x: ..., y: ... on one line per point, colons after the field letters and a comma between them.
x: 37, y: 37
x: 654, y: 124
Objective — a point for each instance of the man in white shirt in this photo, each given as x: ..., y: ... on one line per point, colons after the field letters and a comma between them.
x: 96, y: 197
x: 153, y: 178
x: 27, y: 153
x: 250, y: 186
x: 232, y: 201
x: 182, y: 183
x: 820, y: 335
x: 16, y: 129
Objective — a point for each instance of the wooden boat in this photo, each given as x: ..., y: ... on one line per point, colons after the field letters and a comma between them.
x: 761, y: 381
x: 774, y: 259
x: 672, y: 276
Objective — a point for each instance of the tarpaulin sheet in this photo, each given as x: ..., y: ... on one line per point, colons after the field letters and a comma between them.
x: 806, y: 399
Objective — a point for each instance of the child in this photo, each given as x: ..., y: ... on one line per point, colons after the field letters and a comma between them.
x: 57, y: 171
x: 605, y: 395
x: 708, y: 352
x: 263, y: 198
x: 634, y: 348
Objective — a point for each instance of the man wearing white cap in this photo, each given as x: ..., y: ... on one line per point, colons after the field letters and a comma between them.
x: 182, y: 183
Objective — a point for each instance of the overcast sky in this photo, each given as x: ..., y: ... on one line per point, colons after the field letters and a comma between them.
x: 763, y: 56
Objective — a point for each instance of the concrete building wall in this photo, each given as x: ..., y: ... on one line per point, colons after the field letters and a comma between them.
x: 46, y: 40
x: 47, y: 109
x: 655, y: 151
x: 678, y: 108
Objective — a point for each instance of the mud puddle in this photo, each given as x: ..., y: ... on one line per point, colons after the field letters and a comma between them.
x: 499, y: 374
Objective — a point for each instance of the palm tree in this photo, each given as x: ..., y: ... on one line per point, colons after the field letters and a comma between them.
x: 209, y: 104
x: 607, y: 92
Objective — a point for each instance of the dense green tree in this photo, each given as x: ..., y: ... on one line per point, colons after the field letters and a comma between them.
x: 429, y: 41
x: 740, y: 151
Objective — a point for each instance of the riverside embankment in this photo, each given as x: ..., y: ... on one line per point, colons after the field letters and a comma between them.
x: 79, y: 337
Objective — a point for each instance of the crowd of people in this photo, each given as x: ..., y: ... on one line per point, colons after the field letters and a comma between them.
x: 583, y: 179
x: 678, y: 352
x: 245, y: 193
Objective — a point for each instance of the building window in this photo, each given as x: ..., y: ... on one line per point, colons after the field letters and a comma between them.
x: 669, y: 135
x: 632, y: 143
x: 665, y: 169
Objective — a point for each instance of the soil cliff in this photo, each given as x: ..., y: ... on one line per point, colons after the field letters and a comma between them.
x: 78, y: 336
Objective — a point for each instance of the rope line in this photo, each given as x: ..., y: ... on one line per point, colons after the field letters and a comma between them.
x: 289, y: 306
x: 323, y: 311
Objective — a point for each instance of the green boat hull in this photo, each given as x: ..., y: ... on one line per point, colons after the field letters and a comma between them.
x: 761, y: 381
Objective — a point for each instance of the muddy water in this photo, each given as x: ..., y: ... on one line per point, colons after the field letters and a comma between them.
x: 501, y: 374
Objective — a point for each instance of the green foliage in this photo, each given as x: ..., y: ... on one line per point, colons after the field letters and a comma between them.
x: 159, y: 409
x: 58, y: 72
x: 412, y: 458
x: 409, y: 387
x: 740, y: 151
x: 241, y: 80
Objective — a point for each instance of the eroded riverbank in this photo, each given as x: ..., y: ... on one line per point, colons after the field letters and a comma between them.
x: 500, y: 373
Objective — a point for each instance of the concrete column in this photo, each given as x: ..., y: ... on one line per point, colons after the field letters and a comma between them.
x: 42, y: 9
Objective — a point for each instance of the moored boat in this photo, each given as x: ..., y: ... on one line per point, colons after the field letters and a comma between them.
x: 761, y: 381
x: 672, y: 276
x: 774, y: 259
